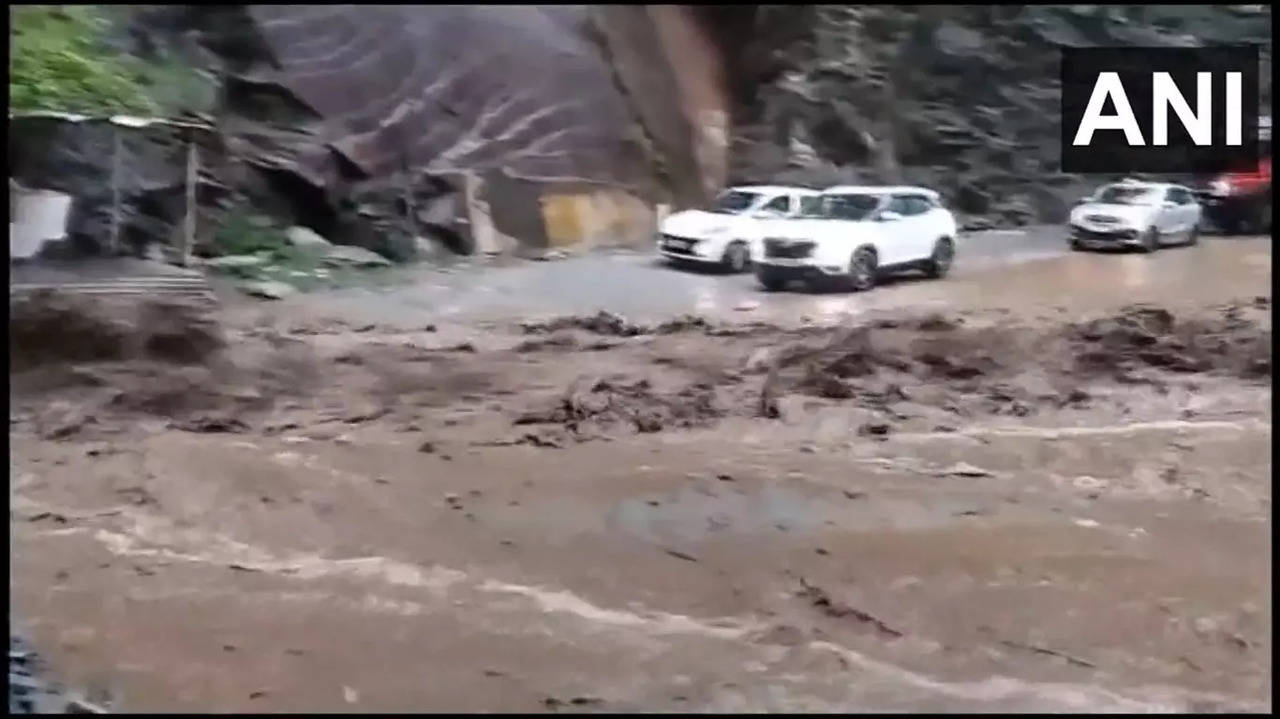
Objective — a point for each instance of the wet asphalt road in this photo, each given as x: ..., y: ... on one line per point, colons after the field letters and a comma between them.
x: 996, y: 269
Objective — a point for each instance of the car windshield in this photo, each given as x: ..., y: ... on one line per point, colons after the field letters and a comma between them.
x: 844, y: 207
x: 1122, y: 195
x: 733, y: 202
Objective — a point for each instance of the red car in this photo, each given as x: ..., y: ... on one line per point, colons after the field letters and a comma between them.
x: 1241, y: 201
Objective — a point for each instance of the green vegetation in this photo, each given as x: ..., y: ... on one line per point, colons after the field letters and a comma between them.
x: 244, y: 234
x: 56, y: 62
x: 59, y: 60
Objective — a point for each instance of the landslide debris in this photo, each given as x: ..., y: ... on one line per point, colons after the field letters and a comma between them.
x: 593, y: 406
x: 878, y: 364
x: 49, y: 327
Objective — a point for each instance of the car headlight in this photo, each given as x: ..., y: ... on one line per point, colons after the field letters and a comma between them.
x: 1221, y: 188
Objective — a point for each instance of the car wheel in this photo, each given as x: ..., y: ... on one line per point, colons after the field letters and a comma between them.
x: 939, y: 263
x: 1151, y: 240
x: 770, y: 281
x: 1076, y: 246
x: 862, y: 269
x: 736, y: 257
x: 1193, y: 236
x: 1230, y: 226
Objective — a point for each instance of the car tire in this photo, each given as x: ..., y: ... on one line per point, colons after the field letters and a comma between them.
x: 1193, y: 237
x: 769, y: 280
x: 1151, y: 240
x: 862, y: 269
x: 737, y: 258
x: 1230, y: 227
x: 1076, y: 246
x: 939, y: 263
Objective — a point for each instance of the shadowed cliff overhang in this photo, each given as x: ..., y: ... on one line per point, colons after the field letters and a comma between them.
x: 439, y: 89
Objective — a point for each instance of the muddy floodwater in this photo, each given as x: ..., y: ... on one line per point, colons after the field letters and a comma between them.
x: 604, y: 484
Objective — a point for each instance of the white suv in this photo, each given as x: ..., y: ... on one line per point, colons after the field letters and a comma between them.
x: 1146, y: 215
x: 725, y: 234
x: 853, y: 235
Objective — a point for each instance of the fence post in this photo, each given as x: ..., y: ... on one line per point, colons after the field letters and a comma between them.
x: 189, y: 226
x: 117, y: 149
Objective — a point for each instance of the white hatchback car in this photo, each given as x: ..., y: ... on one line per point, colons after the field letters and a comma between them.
x: 1146, y: 215
x: 853, y: 235
x: 726, y: 234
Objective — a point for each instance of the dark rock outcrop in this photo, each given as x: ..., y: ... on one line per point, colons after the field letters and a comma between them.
x: 962, y: 98
x: 367, y: 123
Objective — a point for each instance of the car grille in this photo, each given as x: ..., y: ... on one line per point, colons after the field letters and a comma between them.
x: 1102, y: 219
x: 1084, y: 234
x: 787, y: 249
x: 678, y: 245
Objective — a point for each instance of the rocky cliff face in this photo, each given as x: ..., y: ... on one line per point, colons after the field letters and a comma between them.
x: 350, y: 112
x: 362, y: 122
x: 963, y: 98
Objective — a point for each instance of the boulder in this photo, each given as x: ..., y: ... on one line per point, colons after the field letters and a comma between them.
x: 306, y: 238
x: 340, y: 255
x: 268, y: 289
x: 230, y: 262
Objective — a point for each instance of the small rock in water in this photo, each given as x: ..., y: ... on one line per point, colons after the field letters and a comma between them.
x: 875, y: 429
x: 961, y: 469
x: 268, y: 289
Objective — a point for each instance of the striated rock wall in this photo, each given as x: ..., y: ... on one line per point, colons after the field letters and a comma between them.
x: 964, y: 98
x: 348, y: 112
x: 367, y: 122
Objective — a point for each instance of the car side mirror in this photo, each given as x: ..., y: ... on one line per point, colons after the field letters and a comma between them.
x: 889, y: 216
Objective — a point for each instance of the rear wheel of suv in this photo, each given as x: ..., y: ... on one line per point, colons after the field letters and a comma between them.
x: 939, y: 263
x: 1151, y: 240
x: 771, y: 281
x: 862, y: 269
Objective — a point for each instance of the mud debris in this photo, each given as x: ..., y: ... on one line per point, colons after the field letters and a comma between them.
x: 878, y: 365
x: 210, y: 424
x: 49, y: 326
x: 1075, y: 661
x: 819, y: 599
x: 896, y: 368
x: 613, y: 325
x: 603, y: 323
x: 962, y: 469
x: 597, y: 404
x: 681, y: 555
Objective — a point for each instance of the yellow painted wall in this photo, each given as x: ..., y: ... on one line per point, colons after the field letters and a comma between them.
x: 597, y: 219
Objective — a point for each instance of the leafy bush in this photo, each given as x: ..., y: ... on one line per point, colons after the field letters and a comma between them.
x: 245, y: 234
x: 56, y: 62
